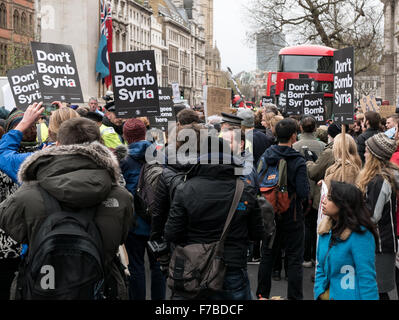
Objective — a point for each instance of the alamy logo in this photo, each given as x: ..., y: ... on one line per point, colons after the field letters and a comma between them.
x: 48, y: 280
x: 348, y: 280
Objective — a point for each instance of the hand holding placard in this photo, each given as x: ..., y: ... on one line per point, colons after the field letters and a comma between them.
x: 31, y: 115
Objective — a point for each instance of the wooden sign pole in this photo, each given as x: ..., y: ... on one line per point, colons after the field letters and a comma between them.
x: 343, y: 131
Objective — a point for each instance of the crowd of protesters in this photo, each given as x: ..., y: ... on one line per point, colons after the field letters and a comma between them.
x: 89, y: 159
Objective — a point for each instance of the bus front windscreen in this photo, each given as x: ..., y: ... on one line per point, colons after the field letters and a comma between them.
x: 308, y: 64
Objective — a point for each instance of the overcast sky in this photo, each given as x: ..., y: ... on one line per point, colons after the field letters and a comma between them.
x: 230, y: 28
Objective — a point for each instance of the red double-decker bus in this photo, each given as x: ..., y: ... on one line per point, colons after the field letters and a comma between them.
x: 305, y: 61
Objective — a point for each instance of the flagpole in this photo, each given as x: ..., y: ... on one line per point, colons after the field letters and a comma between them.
x: 99, y: 37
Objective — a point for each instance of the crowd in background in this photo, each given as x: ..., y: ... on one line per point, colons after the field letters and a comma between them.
x: 82, y: 155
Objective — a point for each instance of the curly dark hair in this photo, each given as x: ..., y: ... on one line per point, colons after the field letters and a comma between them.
x: 353, y: 213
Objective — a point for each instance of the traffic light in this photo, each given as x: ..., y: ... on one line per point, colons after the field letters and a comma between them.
x: 182, y: 94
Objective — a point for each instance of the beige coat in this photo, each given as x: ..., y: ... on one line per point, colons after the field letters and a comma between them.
x: 335, y: 173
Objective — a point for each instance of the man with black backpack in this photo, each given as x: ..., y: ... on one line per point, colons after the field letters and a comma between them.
x: 283, y: 180
x: 73, y: 216
x: 141, y: 179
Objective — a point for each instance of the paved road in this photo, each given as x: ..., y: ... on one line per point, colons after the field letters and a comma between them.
x: 279, y: 288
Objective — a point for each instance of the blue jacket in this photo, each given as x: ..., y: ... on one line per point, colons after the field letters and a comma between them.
x: 348, y: 267
x: 10, y: 159
x: 131, y: 167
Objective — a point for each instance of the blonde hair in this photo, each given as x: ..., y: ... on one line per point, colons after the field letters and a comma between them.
x: 57, y: 118
x: 373, y: 167
x: 351, y: 153
x: 145, y: 121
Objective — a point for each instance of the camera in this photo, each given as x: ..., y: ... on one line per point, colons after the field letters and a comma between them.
x: 158, y: 248
x: 109, y: 96
x: 309, y: 155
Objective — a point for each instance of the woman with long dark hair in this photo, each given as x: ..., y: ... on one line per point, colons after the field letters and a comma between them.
x: 345, y: 267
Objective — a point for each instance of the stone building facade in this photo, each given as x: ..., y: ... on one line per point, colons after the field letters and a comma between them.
x: 17, y: 29
x: 389, y: 67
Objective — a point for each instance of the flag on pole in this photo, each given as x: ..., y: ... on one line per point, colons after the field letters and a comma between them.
x: 105, y: 45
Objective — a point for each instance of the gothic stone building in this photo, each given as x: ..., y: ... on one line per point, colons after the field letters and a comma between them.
x: 17, y: 24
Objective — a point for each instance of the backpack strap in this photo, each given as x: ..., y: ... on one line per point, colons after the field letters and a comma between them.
x: 236, y: 199
x: 282, y: 171
x: 142, y: 175
x: 264, y: 173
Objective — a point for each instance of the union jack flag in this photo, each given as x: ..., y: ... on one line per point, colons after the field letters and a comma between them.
x: 105, y: 45
x: 106, y: 15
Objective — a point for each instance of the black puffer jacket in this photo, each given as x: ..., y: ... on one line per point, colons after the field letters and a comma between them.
x: 361, y: 141
x: 200, y: 208
x: 161, y: 205
x: 381, y: 200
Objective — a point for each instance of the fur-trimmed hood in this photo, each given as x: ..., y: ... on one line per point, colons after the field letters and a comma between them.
x: 325, y: 227
x: 73, y: 174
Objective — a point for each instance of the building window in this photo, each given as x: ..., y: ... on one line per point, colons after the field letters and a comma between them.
x: 3, y: 55
x: 23, y: 22
x: 16, y: 21
x: 3, y: 16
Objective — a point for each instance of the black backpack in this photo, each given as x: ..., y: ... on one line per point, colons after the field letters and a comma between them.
x: 65, y: 259
x: 145, y: 192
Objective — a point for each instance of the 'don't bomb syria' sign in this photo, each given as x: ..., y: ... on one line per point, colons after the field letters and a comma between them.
x: 24, y: 86
x: 134, y: 79
x: 57, y: 72
x: 313, y: 104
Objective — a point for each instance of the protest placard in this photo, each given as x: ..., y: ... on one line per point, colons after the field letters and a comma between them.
x: 387, y: 111
x: 369, y: 103
x: 313, y: 104
x: 296, y: 89
x: 218, y: 100
x: 176, y: 92
x: 134, y: 79
x: 282, y: 101
x: 166, y: 108
x: 266, y: 100
x: 344, y: 71
x: 57, y: 72
x: 24, y: 86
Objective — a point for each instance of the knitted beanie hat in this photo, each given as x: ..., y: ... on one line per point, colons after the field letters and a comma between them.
x: 13, y: 119
x: 381, y: 146
x: 134, y: 130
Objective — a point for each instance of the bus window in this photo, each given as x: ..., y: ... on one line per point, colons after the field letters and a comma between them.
x: 309, y: 64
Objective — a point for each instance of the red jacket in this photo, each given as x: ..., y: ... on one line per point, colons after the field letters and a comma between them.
x: 395, y: 160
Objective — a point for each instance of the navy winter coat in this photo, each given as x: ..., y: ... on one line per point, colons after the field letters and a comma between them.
x: 298, y: 182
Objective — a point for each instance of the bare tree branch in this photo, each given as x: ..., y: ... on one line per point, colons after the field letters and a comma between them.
x: 333, y: 23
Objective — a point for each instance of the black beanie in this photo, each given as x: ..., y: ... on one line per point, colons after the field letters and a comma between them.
x: 334, y: 130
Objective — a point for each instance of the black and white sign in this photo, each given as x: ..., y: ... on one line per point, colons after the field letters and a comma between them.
x: 134, y: 78
x: 282, y: 101
x: 266, y: 100
x: 176, y: 92
x: 167, y: 110
x: 57, y: 72
x: 344, y: 71
x: 296, y: 89
x: 313, y: 104
x: 24, y: 86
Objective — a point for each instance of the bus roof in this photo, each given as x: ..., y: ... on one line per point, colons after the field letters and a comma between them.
x: 308, y: 50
